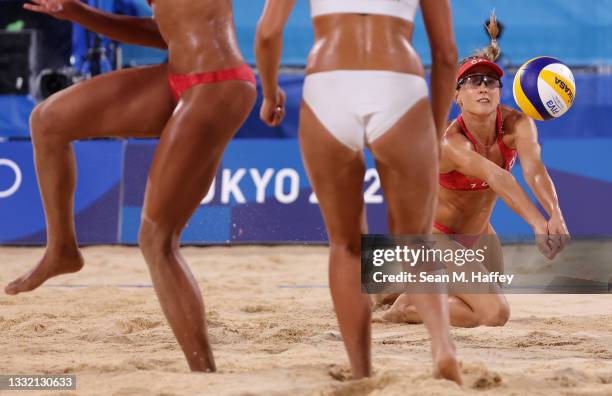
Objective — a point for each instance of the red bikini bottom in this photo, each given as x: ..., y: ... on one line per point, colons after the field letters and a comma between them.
x: 179, y: 83
x: 467, y: 241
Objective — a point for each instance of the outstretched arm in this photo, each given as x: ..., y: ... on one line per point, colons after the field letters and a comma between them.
x: 127, y: 29
x: 537, y: 177
x: 268, y: 50
x: 457, y: 151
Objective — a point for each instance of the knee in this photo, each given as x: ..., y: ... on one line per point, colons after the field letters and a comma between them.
x: 43, y: 123
x: 412, y: 214
x: 345, y: 247
x: 471, y: 322
x: 498, y: 317
x: 155, y: 240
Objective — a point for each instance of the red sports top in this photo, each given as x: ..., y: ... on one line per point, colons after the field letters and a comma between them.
x: 454, y: 180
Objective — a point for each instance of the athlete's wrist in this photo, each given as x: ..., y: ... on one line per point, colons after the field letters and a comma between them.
x: 556, y: 215
x: 71, y: 10
x: 540, y: 226
x: 271, y: 94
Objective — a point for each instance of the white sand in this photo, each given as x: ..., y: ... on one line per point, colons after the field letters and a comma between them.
x: 273, y: 339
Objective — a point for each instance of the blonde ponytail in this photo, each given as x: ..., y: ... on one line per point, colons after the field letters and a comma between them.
x: 492, y: 51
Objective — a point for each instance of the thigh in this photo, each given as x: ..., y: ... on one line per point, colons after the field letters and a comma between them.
x: 336, y: 174
x: 133, y: 103
x: 190, y: 149
x: 484, y: 298
x: 407, y: 162
x: 495, y: 255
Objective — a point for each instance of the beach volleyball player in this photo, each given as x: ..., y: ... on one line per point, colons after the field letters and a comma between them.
x: 478, y: 151
x: 364, y: 86
x: 195, y: 103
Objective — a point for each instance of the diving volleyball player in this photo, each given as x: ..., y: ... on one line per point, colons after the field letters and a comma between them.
x: 478, y: 151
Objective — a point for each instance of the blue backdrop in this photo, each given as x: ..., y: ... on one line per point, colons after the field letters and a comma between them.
x: 578, y: 32
x: 261, y: 193
x: 96, y: 201
x: 588, y: 118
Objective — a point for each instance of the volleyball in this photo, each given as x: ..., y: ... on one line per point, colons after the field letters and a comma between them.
x: 544, y: 88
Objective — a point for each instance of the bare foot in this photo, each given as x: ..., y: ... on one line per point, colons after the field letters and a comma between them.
x: 403, y: 311
x: 339, y: 373
x: 445, y: 362
x: 383, y: 299
x: 49, y: 266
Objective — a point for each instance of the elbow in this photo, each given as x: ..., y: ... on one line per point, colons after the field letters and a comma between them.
x: 266, y: 35
x: 154, y: 36
x: 160, y: 44
x: 153, y: 42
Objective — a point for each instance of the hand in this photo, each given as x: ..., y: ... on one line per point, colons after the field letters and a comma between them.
x: 552, y: 237
x: 60, y: 9
x: 558, y: 233
x: 272, y: 110
x: 541, y: 237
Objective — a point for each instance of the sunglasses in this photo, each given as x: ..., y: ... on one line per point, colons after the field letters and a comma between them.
x: 475, y: 80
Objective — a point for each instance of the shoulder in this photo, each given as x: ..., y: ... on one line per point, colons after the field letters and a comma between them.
x: 512, y: 119
x: 454, y: 137
x: 453, y: 145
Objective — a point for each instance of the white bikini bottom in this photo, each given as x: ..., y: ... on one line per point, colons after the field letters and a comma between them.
x: 361, y: 105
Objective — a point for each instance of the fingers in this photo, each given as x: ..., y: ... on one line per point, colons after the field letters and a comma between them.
x: 279, y: 114
x: 555, y: 242
x: 544, y: 247
x: 42, y: 6
x: 272, y: 114
x: 268, y: 119
x: 272, y: 117
x: 282, y: 98
x: 34, y: 8
x: 557, y: 236
x: 279, y: 109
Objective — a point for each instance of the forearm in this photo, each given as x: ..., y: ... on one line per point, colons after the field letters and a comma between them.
x: 126, y: 29
x: 443, y: 72
x: 508, y: 189
x: 268, y: 50
x: 544, y: 189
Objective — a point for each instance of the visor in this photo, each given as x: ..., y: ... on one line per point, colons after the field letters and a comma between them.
x: 471, y: 63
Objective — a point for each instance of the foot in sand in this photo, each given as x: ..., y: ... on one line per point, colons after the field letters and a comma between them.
x: 52, y: 264
x: 445, y: 361
x: 402, y: 311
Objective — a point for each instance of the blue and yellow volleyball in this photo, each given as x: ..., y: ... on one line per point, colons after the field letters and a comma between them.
x: 544, y: 88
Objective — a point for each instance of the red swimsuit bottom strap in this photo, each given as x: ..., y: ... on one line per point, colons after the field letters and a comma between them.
x: 442, y: 228
x: 467, y: 241
x: 179, y: 83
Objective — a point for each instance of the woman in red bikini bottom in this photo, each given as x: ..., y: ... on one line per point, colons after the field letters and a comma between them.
x: 195, y: 103
x: 478, y: 152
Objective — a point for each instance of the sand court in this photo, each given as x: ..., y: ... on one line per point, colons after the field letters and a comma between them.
x: 274, y: 332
